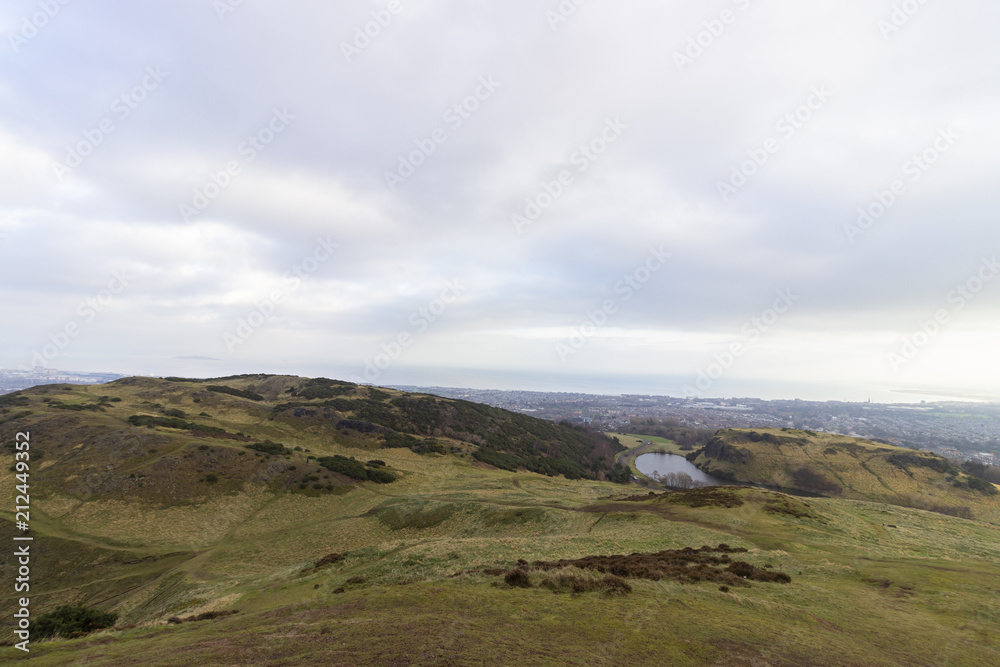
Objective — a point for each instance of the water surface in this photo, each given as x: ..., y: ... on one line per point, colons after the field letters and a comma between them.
x: 661, y: 464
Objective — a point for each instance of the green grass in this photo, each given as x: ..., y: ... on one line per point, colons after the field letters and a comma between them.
x: 872, y: 583
x: 848, y: 467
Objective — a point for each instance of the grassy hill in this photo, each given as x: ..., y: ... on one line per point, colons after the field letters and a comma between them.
x: 210, y: 539
x: 840, y: 466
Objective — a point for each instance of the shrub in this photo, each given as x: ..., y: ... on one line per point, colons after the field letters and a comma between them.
x: 251, y: 395
x: 272, y: 448
x: 807, y: 479
x: 171, y: 422
x: 324, y: 392
x: 613, y: 585
x: 211, y: 478
x: 329, y: 559
x: 204, y: 616
x: 518, y: 578
x: 68, y: 620
x: 355, y: 469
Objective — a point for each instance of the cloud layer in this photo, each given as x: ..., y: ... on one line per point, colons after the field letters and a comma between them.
x: 314, y: 176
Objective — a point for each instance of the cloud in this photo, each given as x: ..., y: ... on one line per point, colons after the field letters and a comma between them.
x: 494, y: 152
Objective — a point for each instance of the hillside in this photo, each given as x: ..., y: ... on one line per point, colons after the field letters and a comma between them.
x: 843, y: 467
x: 157, y: 440
x: 266, y: 532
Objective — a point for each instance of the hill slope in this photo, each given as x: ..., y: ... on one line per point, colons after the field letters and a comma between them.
x: 175, y: 524
x: 844, y: 467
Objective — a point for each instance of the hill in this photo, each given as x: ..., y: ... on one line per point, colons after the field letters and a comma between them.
x: 843, y: 467
x: 240, y: 521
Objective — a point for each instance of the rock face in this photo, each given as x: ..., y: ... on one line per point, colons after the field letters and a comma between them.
x: 720, y: 451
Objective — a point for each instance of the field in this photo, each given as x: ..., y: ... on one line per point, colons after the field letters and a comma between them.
x: 416, y: 570
x: 839, y: 466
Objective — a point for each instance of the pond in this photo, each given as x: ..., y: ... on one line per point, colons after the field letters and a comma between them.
x: 660, y: 464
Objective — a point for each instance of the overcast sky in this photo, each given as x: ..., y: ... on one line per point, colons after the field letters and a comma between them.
x: 652, y: 196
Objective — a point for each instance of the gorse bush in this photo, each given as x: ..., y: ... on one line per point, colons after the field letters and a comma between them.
x: 172, y: 422
x: 272, y: 448
x: 241, y: 393
x: 70, y: 620
x: 517, y: 578
x: 356, y: 470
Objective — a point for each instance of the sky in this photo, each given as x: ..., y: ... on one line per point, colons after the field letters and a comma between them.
x: 729, y: 198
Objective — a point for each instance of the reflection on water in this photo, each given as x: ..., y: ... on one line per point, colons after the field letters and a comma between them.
x: 661, y: 465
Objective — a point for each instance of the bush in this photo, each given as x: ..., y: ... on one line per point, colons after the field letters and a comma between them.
x: 613, y: 585
x: 324, y: 392
x: 355, y: 469
x: 518, y: 578
x: 69, y: 620
x: 171, y: 422
x: 329, y: 559
x: 272, y: 448
x: 251, y: 395
x: 807, y: 479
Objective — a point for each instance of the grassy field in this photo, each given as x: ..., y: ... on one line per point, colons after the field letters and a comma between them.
x: 871, y: 583
x: 845, y: 467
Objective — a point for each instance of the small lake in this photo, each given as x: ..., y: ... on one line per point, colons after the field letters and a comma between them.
x: 661, y: 464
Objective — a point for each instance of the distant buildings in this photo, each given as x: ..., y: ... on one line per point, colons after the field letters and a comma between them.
x: 14, y: 380
x: 957, y: 430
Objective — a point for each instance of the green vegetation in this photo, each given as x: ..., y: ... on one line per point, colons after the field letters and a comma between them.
x: 172, y: 422
x: 72, y: 621
x: 356, y: 469
x: 686, y: 437
x: 501, y: 438
x: 459, y: 561
x: 242, y: 393
x: 323, y: 388
x: 270, y: 448
x: 686, y: 565
x: 839, y: 466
